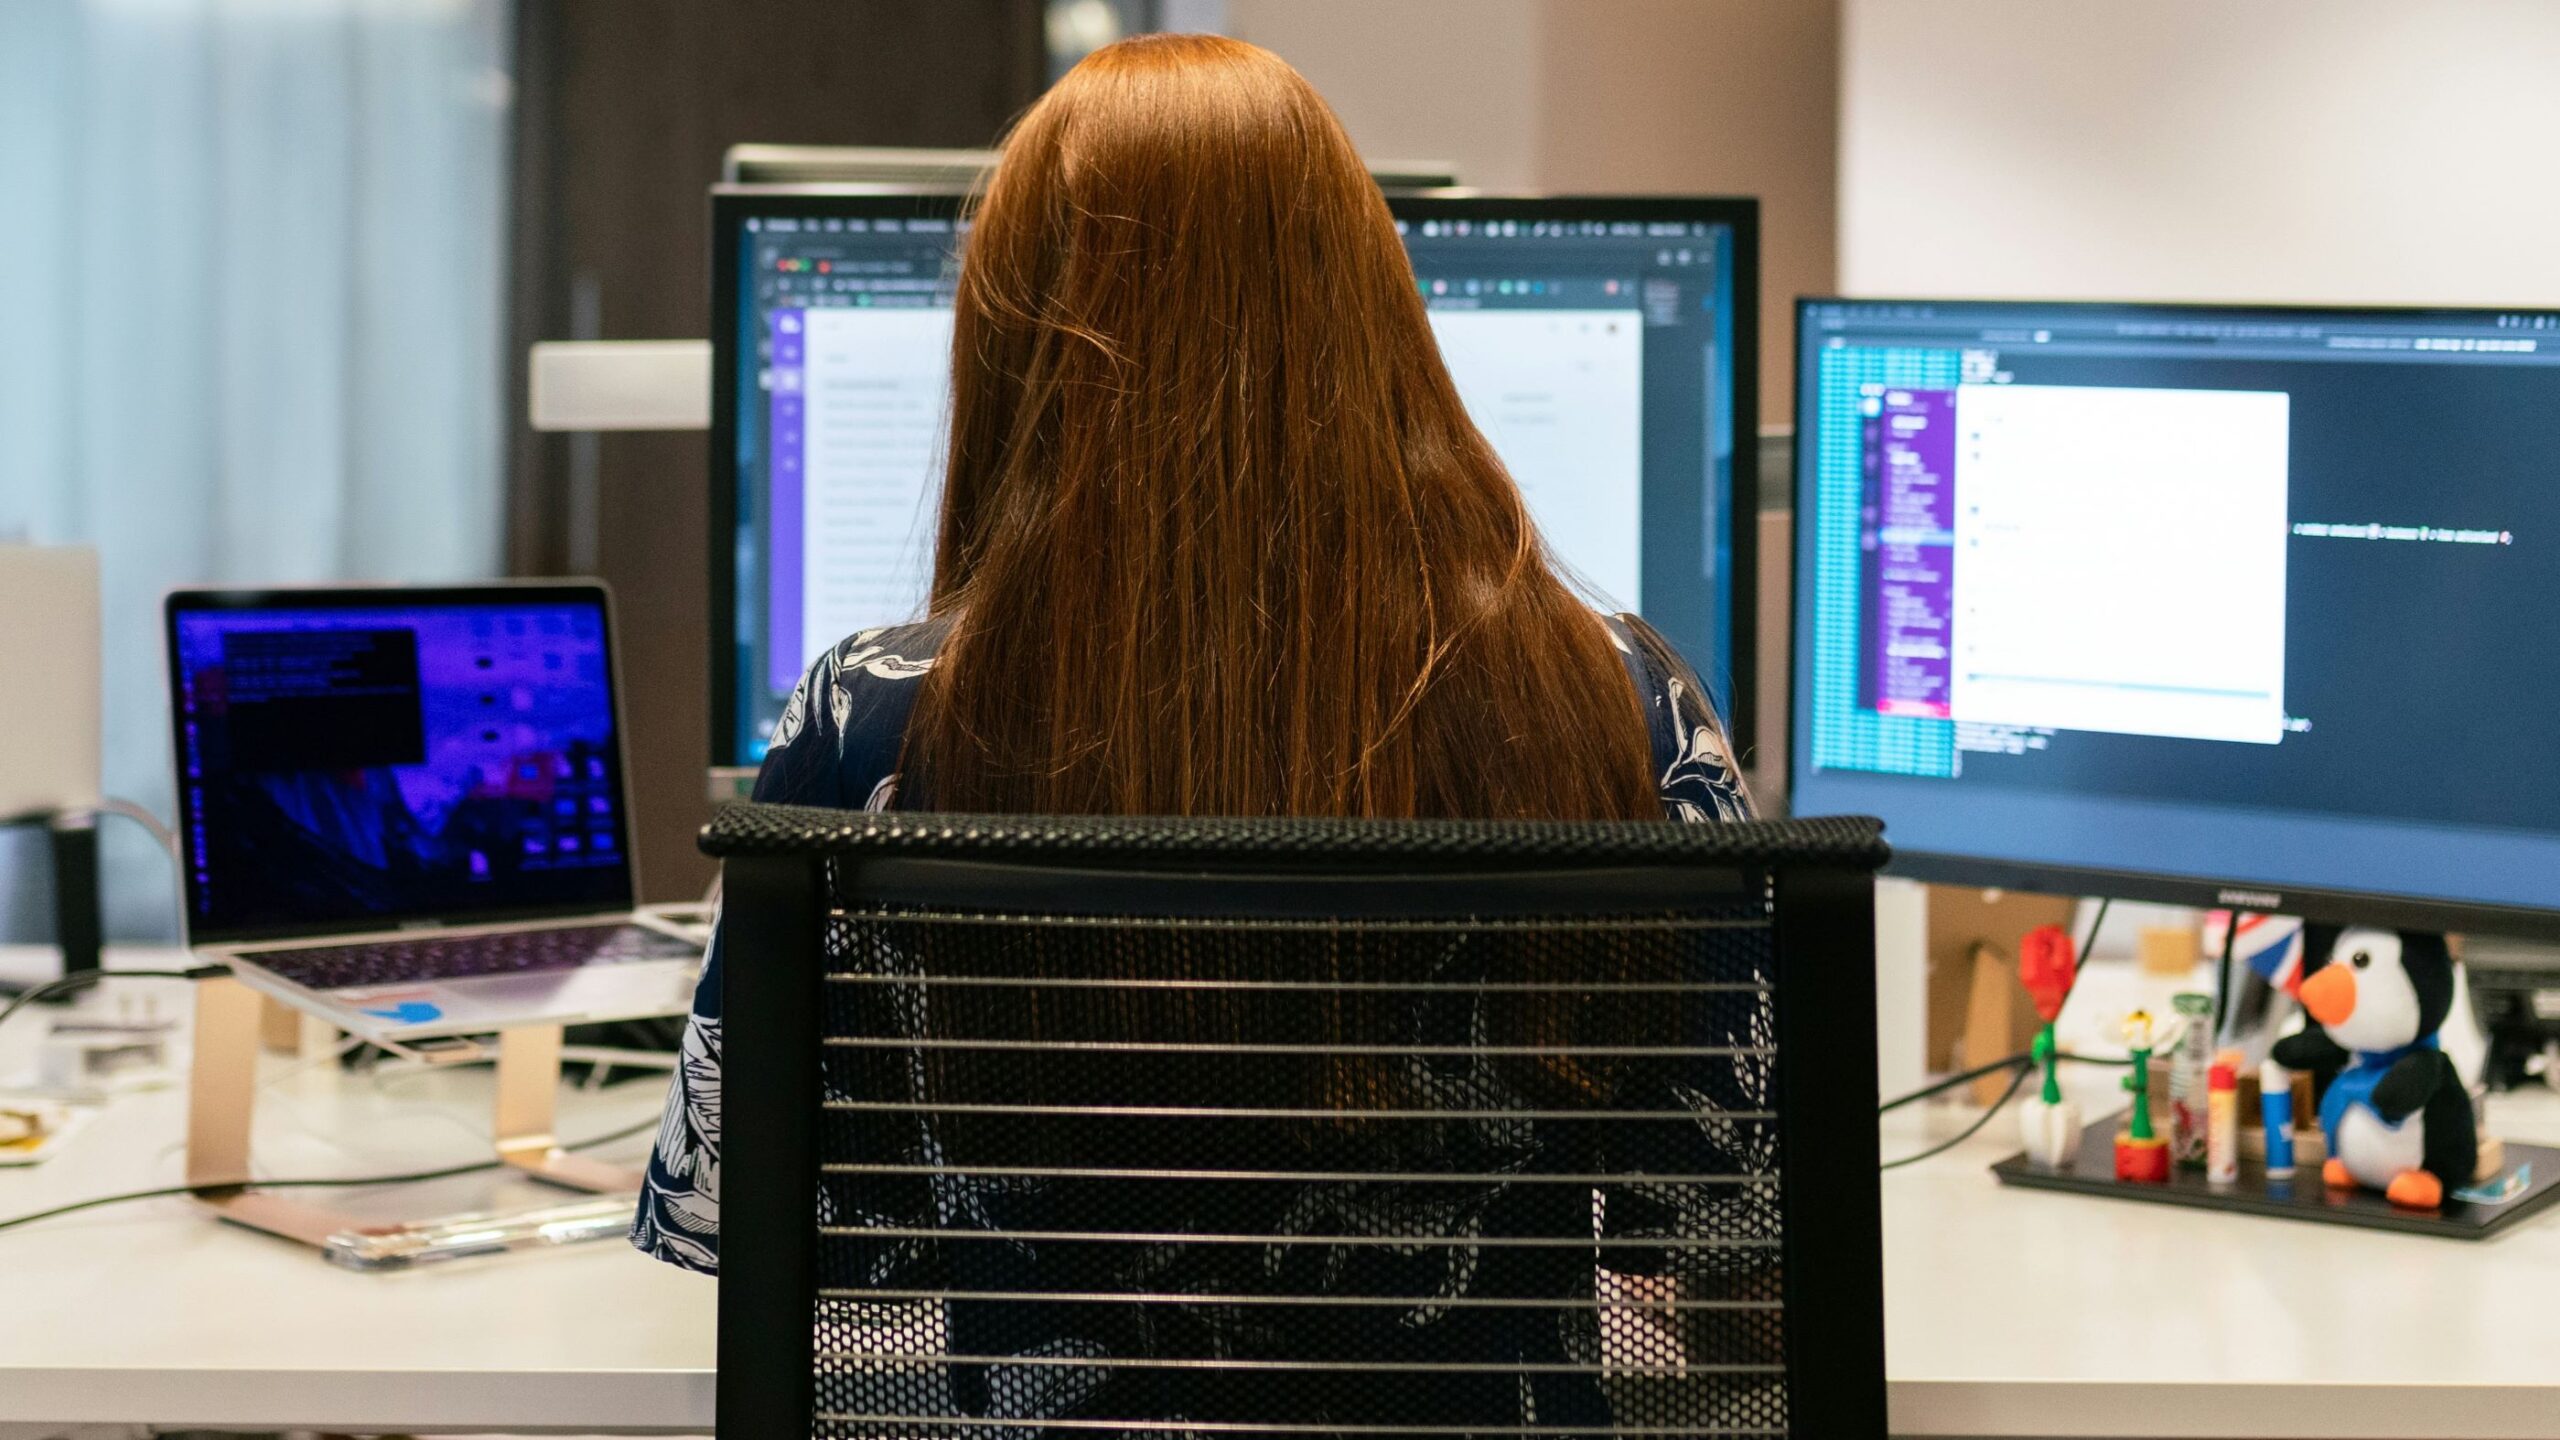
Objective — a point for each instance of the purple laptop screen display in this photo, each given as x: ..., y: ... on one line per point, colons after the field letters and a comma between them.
x: 357, y: 767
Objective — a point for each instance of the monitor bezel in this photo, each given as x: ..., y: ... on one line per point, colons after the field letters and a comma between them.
x: 2327, y: 904
x: 497, y: 593
x: 731, y: 206
x: 1741, y: 215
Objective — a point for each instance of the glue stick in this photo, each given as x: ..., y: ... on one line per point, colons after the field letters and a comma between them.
x: 2275, y: 1110
x: 2222, y: 1124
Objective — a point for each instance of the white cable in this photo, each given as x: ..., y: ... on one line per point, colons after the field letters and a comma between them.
x: 166, y: 837
x: 344, y: 1048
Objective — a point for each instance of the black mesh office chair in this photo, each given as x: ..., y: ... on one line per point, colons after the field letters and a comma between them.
x: 1208, y: 1127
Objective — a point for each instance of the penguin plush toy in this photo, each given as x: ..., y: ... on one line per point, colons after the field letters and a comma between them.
x: 2396, y: 1115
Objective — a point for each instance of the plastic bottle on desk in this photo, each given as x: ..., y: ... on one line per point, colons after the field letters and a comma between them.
x: 2190, y: 1067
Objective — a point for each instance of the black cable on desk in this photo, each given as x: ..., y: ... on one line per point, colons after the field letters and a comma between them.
x: 2025, y: 1069
x: 354, y: 1182
x: 86, y: 978
x: 1940, y: 1087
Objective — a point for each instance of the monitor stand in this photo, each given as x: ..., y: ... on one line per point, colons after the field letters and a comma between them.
x: 77, y: 926
x: 72, y: 842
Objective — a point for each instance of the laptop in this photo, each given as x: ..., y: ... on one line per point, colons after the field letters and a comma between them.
x: 404, y: 809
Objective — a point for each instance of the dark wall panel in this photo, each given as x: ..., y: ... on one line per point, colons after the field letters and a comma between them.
x: 623, y: 110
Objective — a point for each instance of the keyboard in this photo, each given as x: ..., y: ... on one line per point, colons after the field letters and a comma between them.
x: 461, y: 957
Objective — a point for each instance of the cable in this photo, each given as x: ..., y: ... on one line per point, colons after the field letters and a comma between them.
x: 161, y: 834
x: 2025, y: 1066
x: 2004, y: 1062
x: 85, y: 978
x: 1942, y: 1086
x: 414, y: 1177
x: 1943, y: 1146
x: 2222, y: 972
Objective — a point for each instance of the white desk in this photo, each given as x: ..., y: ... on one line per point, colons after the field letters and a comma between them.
x: 153, y: 1313
x: 2009, y: 1312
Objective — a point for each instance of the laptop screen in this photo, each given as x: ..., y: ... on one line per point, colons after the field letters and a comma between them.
x: 361, y: 759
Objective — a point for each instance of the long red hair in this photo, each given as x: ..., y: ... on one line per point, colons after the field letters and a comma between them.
x: 1217, y: 535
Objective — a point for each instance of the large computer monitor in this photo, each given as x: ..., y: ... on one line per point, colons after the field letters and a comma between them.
x: 2219, y: 605
x: 1606, y: 347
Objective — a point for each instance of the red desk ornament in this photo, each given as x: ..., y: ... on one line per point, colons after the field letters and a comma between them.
x: 2048, y: 1124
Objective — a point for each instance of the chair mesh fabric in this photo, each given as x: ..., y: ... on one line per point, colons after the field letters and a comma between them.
x: 1422, y: 1175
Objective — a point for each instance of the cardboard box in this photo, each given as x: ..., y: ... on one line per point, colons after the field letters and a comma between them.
x: 1977, y: 1009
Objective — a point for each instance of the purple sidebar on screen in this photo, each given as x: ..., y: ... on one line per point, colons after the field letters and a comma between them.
x: 787, y: 427
x: 1910, y: 553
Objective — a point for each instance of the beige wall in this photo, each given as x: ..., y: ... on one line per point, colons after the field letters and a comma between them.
x: 1453, y: 80
x: 2350, y: 150
x: 1729, y: 97
x: 1661, y: 96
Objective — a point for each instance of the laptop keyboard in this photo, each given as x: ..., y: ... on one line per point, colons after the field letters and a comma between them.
x: 460, y: 957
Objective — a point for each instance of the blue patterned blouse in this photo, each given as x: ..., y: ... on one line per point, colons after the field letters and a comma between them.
x: 837, y: 744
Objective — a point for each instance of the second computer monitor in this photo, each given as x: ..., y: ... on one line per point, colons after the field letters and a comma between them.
x: 1605, y: 347
x: 2219, y: 605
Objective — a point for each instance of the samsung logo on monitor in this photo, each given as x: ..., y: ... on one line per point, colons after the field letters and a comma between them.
x: 2250, y: 899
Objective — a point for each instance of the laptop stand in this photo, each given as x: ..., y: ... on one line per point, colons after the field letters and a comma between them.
x: 222, y: 1103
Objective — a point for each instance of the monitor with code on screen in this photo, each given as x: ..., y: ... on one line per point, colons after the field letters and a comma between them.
x: 2222, y: 605
x: 1606, y: 348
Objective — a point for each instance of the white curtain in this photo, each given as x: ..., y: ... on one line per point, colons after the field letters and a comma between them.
x: 251, y: 321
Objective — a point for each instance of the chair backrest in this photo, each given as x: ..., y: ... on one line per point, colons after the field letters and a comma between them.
x: 1281, y: 1127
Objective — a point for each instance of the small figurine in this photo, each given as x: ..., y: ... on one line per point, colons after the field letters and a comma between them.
x: 2397, y: 1117
x: 2048, y: 1124
x: 2142, y: 1155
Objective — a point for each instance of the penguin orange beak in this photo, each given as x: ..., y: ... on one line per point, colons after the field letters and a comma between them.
x: 2330, y: 995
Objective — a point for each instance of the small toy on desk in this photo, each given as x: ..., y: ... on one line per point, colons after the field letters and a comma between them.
x: 2049, y: 1123
x: 2397, y: 1116
x: 2141, y: 1154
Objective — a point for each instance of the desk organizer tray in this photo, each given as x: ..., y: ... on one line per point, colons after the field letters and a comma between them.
x: 2303, y: 1197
